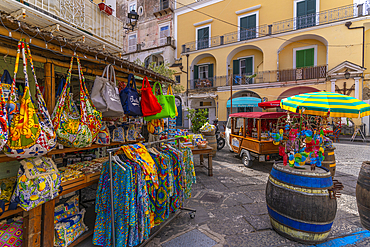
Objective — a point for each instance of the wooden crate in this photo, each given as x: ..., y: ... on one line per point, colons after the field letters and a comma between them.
x: 73, y: 183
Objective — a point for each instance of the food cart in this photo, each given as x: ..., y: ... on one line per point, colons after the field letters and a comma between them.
x: 250, y: 136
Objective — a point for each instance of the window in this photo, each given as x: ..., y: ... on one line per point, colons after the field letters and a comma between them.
x: 164, y: 4
x: 132, y: 7
x: 205, y: 103
x: 248, y: 28
x: 203, y: 72
x: 243, y: 67
x: 203, y: 35
x: 306, y: 13
x: 164, y: 32
x: 305, y: 57
x: 177, y: 78
x: 132, y: 43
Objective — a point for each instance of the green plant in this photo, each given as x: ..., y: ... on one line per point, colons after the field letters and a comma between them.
x: 162, y: 69
x: 177, y: 88
x: 197, y: 118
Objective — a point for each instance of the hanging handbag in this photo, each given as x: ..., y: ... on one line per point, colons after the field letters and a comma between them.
x: 171, y: 102
x: 130, y: 98
x: 105, y: 95
x: 162, y: 99
x: 31, y: 131
x: 155, y: 126
x: 38, y: 181
x: 6, y: 84
x: 76, y: 129
x: 103, y: 137
x: 149, y: 103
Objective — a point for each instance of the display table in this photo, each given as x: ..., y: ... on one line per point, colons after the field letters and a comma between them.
x: 201, y: 151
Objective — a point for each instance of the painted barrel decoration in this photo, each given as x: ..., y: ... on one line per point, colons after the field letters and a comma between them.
x: 363, y: 194
x: 212, y: 142
x: 298, y: 203
x: 329, y: 161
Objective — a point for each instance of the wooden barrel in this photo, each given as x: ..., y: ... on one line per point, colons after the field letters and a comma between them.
x: 363, y: 194
x: 212, y: 141
x: 329, y: 161
x: 298, y: 203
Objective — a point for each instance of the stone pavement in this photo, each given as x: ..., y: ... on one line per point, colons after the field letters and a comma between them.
x: 231, y: 207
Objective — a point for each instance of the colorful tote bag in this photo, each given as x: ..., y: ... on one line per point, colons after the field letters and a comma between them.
x: 103, y: 137
x: 31, y: 131
x: 163, y: 101
x: 6, y: 85
x: 38, y: 181
x: 11, y: 233
x: 149, y: 103
x: 73, y: 128
x: 4, y: 124
x: 130, y: 98
x: 68, y: 230
x: 171, y: 102
x: 67, y: 209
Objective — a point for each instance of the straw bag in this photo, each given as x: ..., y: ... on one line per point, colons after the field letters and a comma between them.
x: 104, y: 94
x: 76, y: 129
x: 31, y: 131
x: 149, y: 103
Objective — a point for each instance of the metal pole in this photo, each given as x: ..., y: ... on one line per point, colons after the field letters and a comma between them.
x: 111, y: 199
x: 231, y: 93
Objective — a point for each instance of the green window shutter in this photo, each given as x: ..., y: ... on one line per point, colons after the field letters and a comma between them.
x: 236, y: 67
x: 310, y: 6
x: 249, y: 65
x: 251, y: 22
x: 196, y: 72
x: 301, y: 9
x: 299, y: 59
x: 210, y: 70
x: 309, y: 57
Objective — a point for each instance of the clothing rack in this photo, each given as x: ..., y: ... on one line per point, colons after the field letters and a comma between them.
x: 112, y: 150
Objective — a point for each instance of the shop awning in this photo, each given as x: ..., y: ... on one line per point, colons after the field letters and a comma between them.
x: 244, y: 102
x: 269, y: 104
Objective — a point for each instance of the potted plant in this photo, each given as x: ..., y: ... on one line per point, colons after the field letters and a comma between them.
x: 197, y: 118
x: 105, y: 8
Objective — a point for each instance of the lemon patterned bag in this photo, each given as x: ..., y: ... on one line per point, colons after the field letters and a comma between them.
x: 38, y: 181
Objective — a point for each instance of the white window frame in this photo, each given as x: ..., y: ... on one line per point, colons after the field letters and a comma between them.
x: 304, y: 48
x: 202, y: 65
x: 295, y: 12
x: 257, y: 22
x: 130, y: 4
x: 159, y: 31
x: 196, y: 35
x: 128, y: 42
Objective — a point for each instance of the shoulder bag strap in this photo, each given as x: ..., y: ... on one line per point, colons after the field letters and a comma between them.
x: 133, y: 84
x: 160, y: 88
x: 145, y: 83
x: 106, y: 72
x: 113, y: 75
x: 169, y: 90
x: 6, y: 78
x: 84, y: 94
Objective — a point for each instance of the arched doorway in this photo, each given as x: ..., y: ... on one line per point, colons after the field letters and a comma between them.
x: 247, y: 107
x: 297, y: 90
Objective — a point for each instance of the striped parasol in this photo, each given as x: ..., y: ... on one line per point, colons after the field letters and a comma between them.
x: 326, y: 104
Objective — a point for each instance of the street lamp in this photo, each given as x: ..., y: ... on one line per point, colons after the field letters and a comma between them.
x: 347, y: 74
x: 133, y: 17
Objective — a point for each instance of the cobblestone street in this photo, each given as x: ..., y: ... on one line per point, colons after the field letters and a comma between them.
x: 231, y: 208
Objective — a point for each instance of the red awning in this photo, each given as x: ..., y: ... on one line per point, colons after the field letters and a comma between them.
x: 269, y: 104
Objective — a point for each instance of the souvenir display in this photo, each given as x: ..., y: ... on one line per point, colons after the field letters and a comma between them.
x: 104, y: 94
x: 31, y: 131
x: 119, y: 135
x: 38, y: 181
x: 76, y: 129
x: 103, y: 137
x: 149, y: 103
x: 148, y: 185
x: 164, y: 101
x: 130, y: 98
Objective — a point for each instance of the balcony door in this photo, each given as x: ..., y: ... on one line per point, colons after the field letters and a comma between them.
x: 248, y: 27
x: 241, y: 68
x: 203, y: 76
x: 203, y: 37
x: 306, y: 14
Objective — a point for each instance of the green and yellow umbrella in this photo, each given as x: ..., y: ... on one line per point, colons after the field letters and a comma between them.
x: 326, y: 104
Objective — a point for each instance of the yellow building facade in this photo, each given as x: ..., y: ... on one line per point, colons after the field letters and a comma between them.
x: 270, y: 50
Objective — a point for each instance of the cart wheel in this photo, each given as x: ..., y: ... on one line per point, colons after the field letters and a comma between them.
x: 247, y: 161
x: 192, y: 215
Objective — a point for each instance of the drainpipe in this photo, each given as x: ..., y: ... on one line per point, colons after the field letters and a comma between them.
x: 278, y: 65
x: 187, y: 80
x: 348, y: 25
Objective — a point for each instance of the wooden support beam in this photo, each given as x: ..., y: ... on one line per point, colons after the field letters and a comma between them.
x: 32, y: 227
x: 48, y: 224
x: 49, y: 86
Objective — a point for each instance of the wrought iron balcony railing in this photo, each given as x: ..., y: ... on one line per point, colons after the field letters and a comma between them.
x: 272, y: 76
x: 319, y: 18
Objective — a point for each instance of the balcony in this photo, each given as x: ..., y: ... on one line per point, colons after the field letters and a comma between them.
x: 273, y: 76
x: 78, y: 19
x: 165, y: 7
x: 319, y: 18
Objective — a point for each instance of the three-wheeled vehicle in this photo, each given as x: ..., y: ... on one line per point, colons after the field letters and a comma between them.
x: 249, y: 136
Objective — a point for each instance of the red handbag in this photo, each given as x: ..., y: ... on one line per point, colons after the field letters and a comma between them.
x: 149, y: 103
